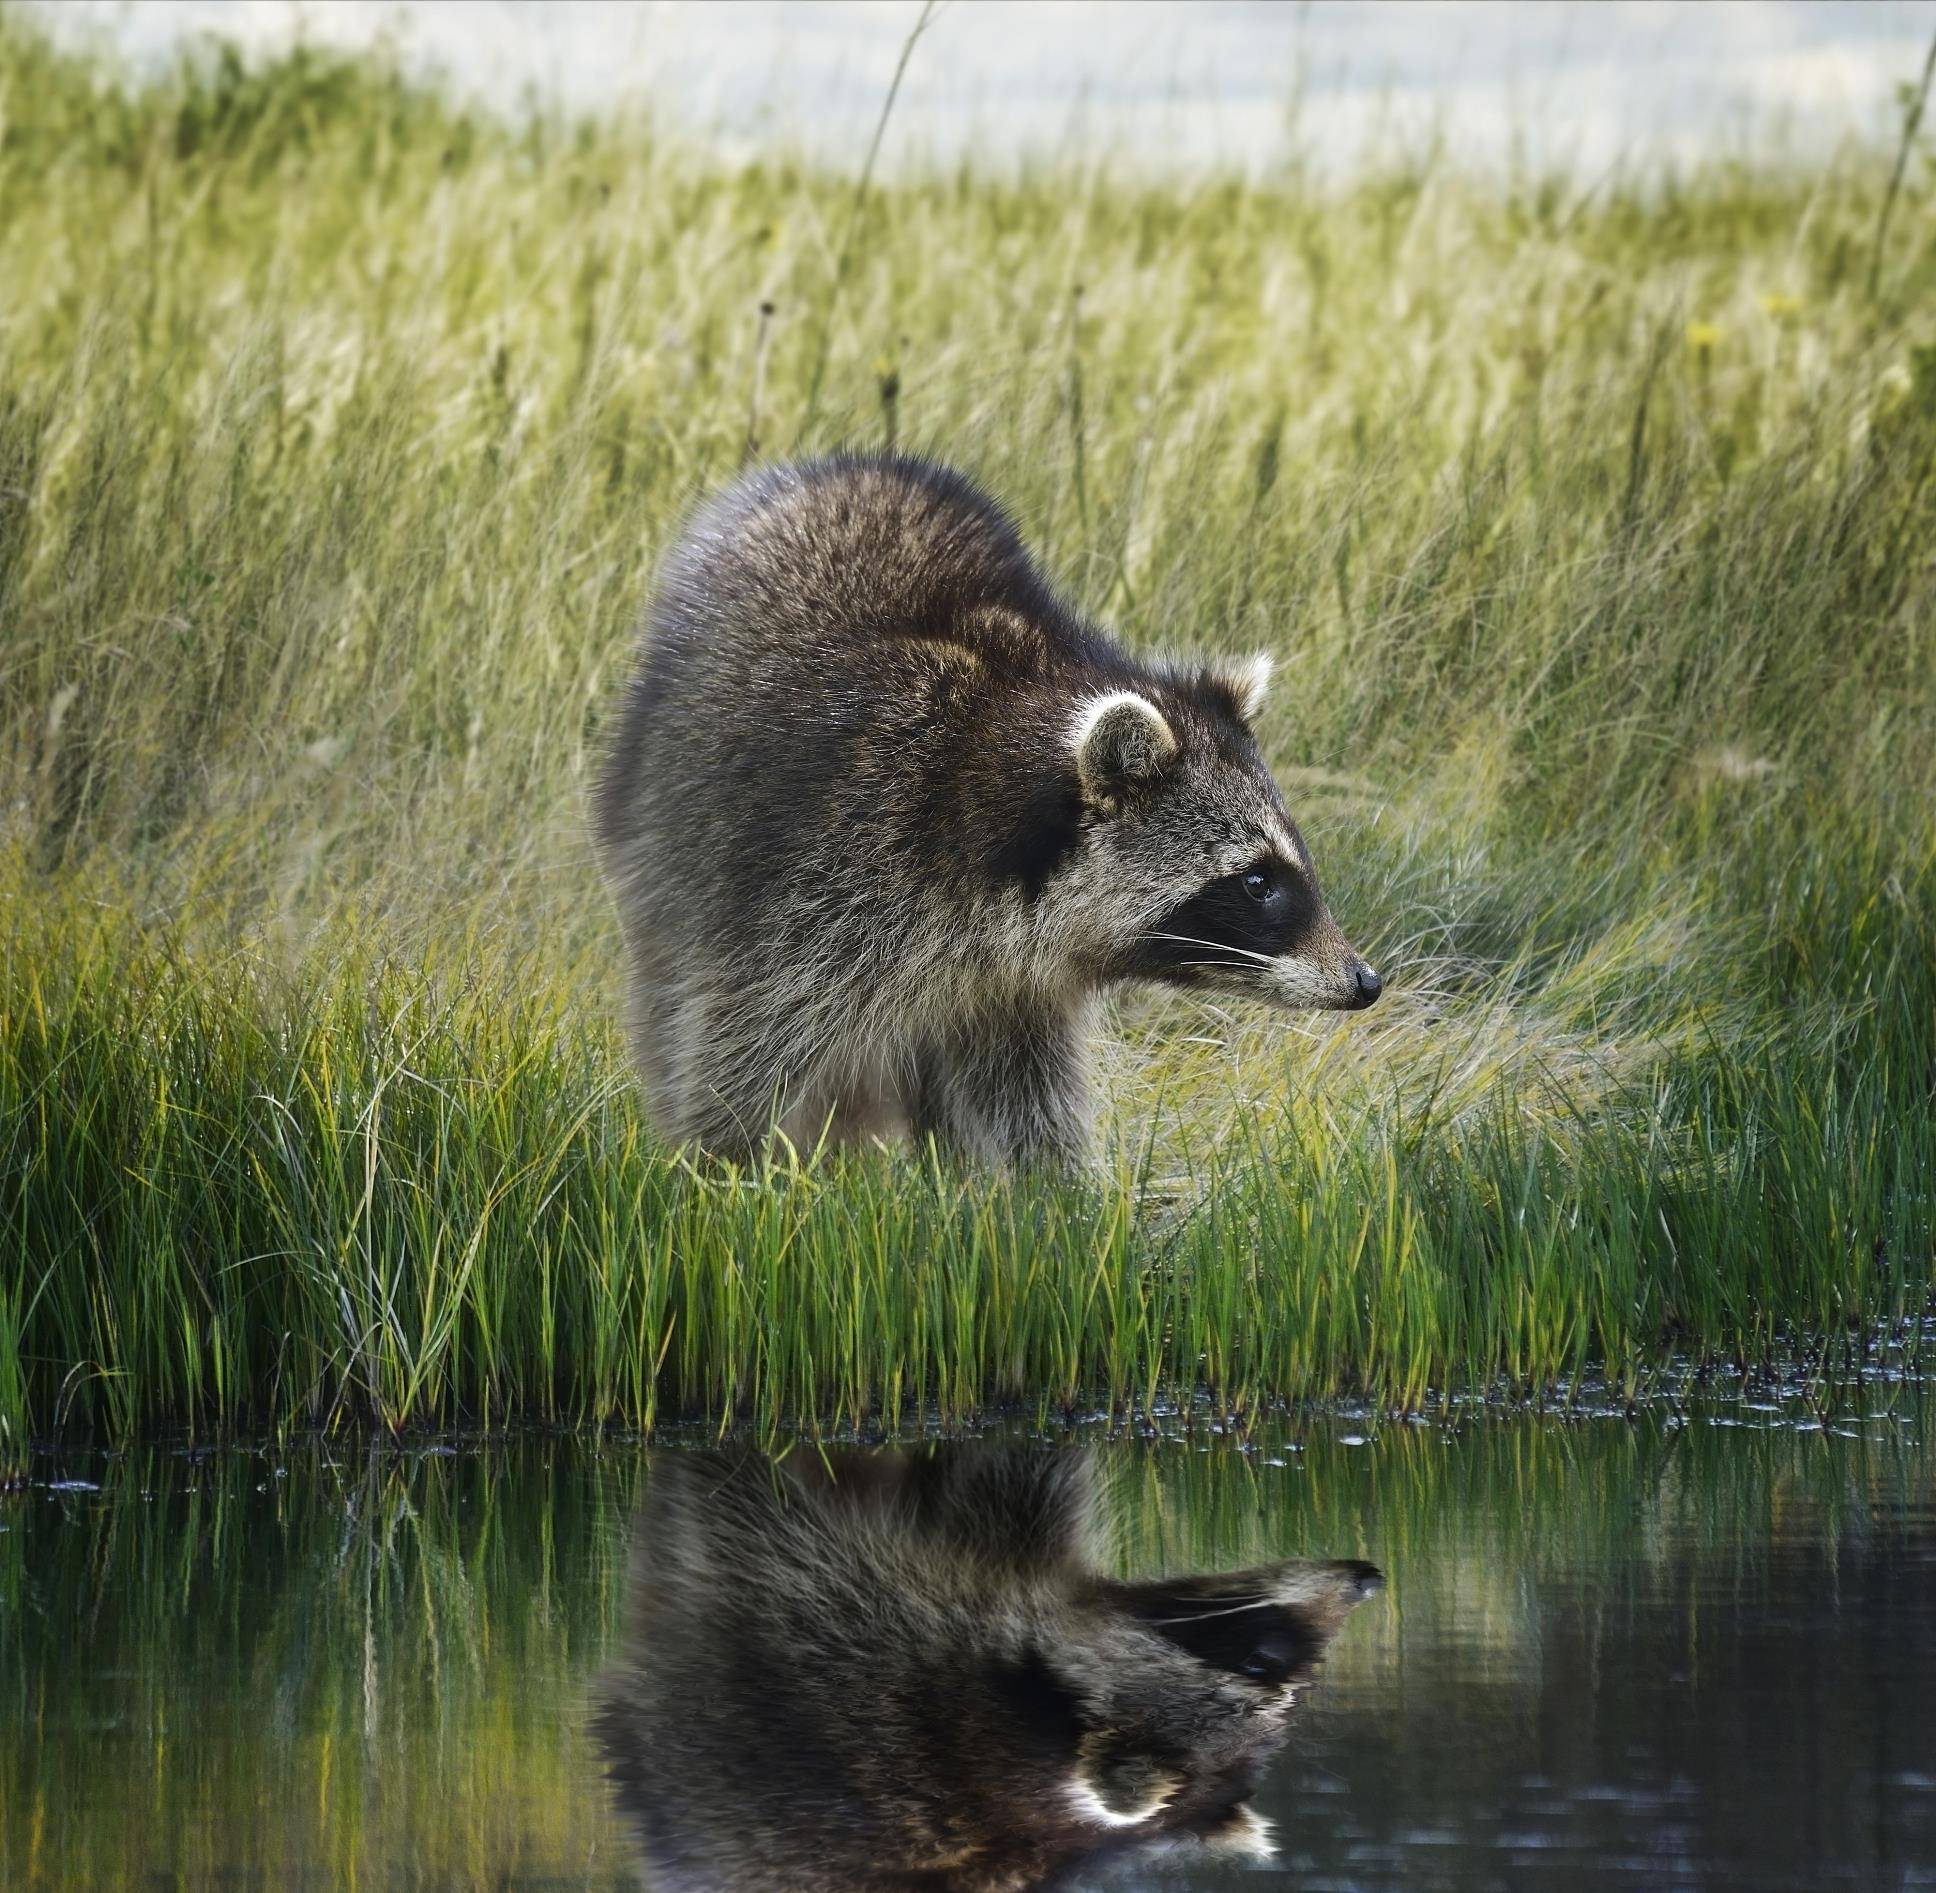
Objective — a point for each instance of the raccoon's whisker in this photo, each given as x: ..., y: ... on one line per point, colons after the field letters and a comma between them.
x: 1215, y: 946
x: 1203, y: 1616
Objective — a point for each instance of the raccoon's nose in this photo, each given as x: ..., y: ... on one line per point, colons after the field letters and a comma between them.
x: 1369, y: 986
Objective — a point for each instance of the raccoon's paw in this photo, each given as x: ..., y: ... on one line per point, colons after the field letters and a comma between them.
x: 1119, y: 1787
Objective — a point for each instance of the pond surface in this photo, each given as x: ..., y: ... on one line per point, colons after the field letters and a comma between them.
x: 1672, y: 1651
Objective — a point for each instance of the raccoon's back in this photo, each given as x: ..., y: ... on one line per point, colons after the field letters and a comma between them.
x: 827, y: 642
x: 838, y: 552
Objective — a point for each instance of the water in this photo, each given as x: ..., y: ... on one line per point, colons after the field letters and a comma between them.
x: 1669, y: 1654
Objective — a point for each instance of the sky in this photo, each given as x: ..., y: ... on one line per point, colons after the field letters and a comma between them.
x: 1163, y: 83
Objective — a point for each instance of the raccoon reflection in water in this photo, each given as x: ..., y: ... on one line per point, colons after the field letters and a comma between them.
x: 906, y: 1670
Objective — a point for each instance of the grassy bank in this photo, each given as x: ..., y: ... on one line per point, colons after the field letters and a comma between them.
x: 339, y: 431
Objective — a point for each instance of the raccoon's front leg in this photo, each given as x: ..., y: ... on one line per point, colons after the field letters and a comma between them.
x: 1011, y: 1090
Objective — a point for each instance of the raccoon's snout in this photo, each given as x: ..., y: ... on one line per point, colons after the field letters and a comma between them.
x: 1366, y: 1579
x: 1368, y: 985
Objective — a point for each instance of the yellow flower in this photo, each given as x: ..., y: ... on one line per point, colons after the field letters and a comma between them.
x: 1703, y: 335
x: 1777, y: 304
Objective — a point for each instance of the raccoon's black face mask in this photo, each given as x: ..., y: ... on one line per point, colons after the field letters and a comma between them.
x: 1253, y: 1637
x: 1267, y: 911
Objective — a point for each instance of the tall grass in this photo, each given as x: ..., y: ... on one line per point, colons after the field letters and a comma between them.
x: 339, y: 430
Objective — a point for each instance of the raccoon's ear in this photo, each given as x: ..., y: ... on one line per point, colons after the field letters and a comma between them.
x: 1115, y: 1784
x: 1120, y: 740
x: 1249, y: 683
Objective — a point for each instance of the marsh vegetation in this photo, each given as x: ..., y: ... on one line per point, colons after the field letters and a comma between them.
x: 1592, y: 523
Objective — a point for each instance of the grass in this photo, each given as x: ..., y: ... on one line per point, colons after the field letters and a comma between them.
x: 339, y: 430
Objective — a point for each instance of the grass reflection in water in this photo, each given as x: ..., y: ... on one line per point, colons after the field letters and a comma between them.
x: 315, y: 1667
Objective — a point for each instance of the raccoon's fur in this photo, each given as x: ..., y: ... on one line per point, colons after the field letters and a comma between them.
x: 884, y: 817
x: 900, y: 1672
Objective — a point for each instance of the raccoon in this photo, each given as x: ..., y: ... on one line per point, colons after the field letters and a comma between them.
x: 884, y: 818
x: 879, y: 1673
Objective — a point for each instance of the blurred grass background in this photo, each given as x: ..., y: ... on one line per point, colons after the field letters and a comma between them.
x: 340, y: 427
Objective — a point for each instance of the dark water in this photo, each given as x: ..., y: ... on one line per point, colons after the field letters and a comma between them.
x: 1667, y: 1654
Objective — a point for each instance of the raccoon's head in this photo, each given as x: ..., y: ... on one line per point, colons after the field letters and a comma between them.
x: 1190, y: 858
x: 1183, y: 1690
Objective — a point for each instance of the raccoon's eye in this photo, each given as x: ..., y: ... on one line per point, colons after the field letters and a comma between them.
x: 1271, y: 1661
x: 1257, y: 884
